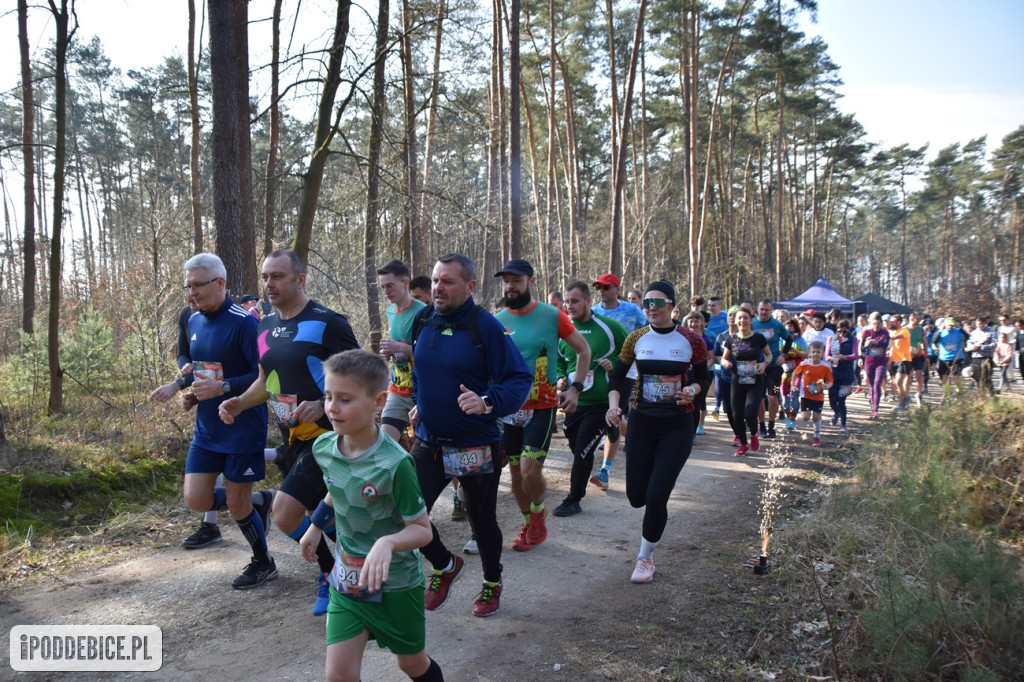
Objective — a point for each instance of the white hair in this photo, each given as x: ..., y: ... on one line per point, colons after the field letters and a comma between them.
x: 212, y: 263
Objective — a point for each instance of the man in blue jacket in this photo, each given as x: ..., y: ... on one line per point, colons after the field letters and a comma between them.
x: 222, y: 343
x: 466, y: 374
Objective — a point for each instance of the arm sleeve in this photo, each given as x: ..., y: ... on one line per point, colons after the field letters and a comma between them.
x: 184, y: 354
x: 626, y: 359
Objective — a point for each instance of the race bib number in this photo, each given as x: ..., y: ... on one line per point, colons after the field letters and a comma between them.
x: 345, y: 578
x: 814, y: 388
x: 283, y: 406
x: 467, y: 461
x: 769, y: 334
x: 746, y: 370
x: 661, y: 388
x: 951, y: 347
x: 588, y: 383
x: 876, y: 352
x: 209, y: 370
x: 519, y: 418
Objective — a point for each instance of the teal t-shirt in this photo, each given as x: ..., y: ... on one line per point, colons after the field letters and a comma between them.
x: 400, y: 329
x: 535, y: 332
x: 774, y: 332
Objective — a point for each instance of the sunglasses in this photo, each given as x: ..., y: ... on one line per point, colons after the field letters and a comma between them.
x: 659, y: 303
x: 602, y: 287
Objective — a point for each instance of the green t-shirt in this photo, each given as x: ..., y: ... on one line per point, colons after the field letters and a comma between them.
x: 400, y: 329
x: 917, y: 338
x: 605, y: 337
x: 374, y: 495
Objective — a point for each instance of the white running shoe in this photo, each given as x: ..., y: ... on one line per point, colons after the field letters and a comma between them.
x: 471, y: 547
x: 644, y: 571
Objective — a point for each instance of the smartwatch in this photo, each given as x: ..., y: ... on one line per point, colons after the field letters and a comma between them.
x: 578, y: 385
x: 225, y: 386
x: 488, y: 404
x: 180, y: 383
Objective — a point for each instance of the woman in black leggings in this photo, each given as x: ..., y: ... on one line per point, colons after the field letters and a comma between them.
x: 661, y: 422
x: 747, y: 354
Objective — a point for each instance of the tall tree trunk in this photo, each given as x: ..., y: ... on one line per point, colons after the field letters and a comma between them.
x: 373, y: 176
x: 515, y: 151
x: 325, y: 129
x: 412, y: 249
x: 193, y: 108
x: 615, y: 253
x: 62, y: 19
x: 617, y: 260
x: 28, y: 301
x: 693, y: 175
x: 249, y: 278
x: 270, y: 200
x: 494, y: 198
x: 428, y: 149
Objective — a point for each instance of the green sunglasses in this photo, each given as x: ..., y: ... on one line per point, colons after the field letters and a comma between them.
x: 655, y: 302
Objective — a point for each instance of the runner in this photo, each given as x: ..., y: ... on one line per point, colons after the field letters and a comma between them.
x: 535, y: 329
x: 918, y: 356
x: 375, y: 502
x: 841, y: 352
x: 395, y: 347
x: 419, y: 287
x: 981, y: 345
x: 585, y: 426
x: 224, y: 350
x: 815, y: 379
x: 949, y: 342
x: 794, y: 351
x: 694, y: 321
x: 774, y: 333
x: 723, y: 376
x: 293, y: 342
x: 661, y: 436
x: 899, y: 354
x: 748, y: 356
x: 467, y: 374
x: 875, y: 358
x: 631, y: 317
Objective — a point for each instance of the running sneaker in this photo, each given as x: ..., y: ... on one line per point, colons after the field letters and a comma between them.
x: 568, y: 508
x: 323, y: 595
x: 471, y: 546
x: 874, y: 414
x: 843, y: 430
x: 644, y: 571
x: 255, y: 574
x: 537, y: 532
x: 835, y: 419
x: 700, y: 429
x: 790, y: 423
x: 600, y: 479
x: 816, y: 442
x: 488, y: 602
x: 206, y: 535
x: 714, y: 415
x: 755, y: 443
x: 521, y: 543
x: 441, y: 582
x: 917, y: 399
x: 458, y: 510
x: 694, y: 439
x: 770, y: 433
x: 742, y: 451
x: 736, y: 442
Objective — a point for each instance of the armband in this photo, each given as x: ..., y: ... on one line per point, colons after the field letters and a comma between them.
x: 322, y: 516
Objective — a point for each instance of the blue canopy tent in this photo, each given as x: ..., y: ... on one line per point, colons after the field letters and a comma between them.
x: 820, y: 296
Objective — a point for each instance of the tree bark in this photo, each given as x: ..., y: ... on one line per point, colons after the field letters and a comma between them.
x: 325, y: 129
x: 270, y: 200
x: 515, y: 152
x: 193, y: 108
x: 412, y: 247
x: 428, y: 150
x: 28, y: 301
x: 373, y: 176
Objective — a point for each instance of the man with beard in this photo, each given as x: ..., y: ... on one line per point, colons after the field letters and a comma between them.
x: 585, y: 426
x: 536, y: 329
x: 293, y: 342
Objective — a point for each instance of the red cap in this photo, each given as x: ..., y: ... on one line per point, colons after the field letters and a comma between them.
x: 608, y: 279
x: 810, y: 312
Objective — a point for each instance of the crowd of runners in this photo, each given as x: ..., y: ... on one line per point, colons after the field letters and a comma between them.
x: 455, y: 393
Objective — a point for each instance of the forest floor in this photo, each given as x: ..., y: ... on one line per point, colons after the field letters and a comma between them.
x: 568, y: 610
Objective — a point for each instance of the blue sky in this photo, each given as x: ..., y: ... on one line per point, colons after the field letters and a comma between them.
x: 914, y: 71
x: 928, y: 71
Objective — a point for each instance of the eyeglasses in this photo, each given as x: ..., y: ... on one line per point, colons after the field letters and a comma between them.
x: 659, y: 303
x: 192, y: 287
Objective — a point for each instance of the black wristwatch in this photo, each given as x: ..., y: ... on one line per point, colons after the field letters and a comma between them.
x: 578, y: 385
x: 180, y: 383
x: 488, y: 404
x: 225, y: 386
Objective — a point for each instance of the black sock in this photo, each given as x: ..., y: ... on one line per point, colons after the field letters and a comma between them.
x: 433, y: 674
x: 324, y: 557
x: 252, y: 530
x: 771, y: 423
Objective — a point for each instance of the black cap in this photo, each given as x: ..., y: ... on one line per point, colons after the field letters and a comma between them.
x: 248, y: 297
x: 516, y: 266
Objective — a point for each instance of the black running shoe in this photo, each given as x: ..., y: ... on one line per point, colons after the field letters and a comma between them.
x: 255, y: 574
x: 206, y: 535
x: 568, y: 508
x: 770, y: 433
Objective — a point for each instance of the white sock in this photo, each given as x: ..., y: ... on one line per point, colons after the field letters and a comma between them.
x: 269, y: 454
x: 210, y: 517
x: 646, y: 548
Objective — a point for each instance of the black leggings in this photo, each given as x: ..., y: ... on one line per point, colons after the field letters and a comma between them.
x: 657, y: 448
x: 481, y: 506
x: 836, y: 401
x: 583, y: 430
x: 746, y: 401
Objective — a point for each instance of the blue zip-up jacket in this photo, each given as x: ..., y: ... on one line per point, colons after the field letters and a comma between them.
x: 228, y: 336
x: 444, y: 358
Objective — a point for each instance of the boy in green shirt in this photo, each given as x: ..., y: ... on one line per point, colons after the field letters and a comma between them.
x: 377, y: 585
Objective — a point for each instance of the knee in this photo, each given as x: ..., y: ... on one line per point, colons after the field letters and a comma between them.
x: 414, y: 665
x: 288, y: 512
x: 239, y: 501
x: 340, y: 673
x: 199, y: 501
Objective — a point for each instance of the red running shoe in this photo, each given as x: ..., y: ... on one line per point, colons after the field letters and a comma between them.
x: 755, y: 444
x: 742, y: 451
x: 441, y: 582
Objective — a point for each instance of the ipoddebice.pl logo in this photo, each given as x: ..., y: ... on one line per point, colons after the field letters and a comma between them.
x: 100, y: 648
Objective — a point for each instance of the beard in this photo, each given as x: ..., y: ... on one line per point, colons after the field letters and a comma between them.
x: 518, y: 301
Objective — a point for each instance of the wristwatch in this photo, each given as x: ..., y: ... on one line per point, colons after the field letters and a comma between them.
x: 578, y: 385
x: 225, y: 387
x: 488, y: 404
x: 180, y: 383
